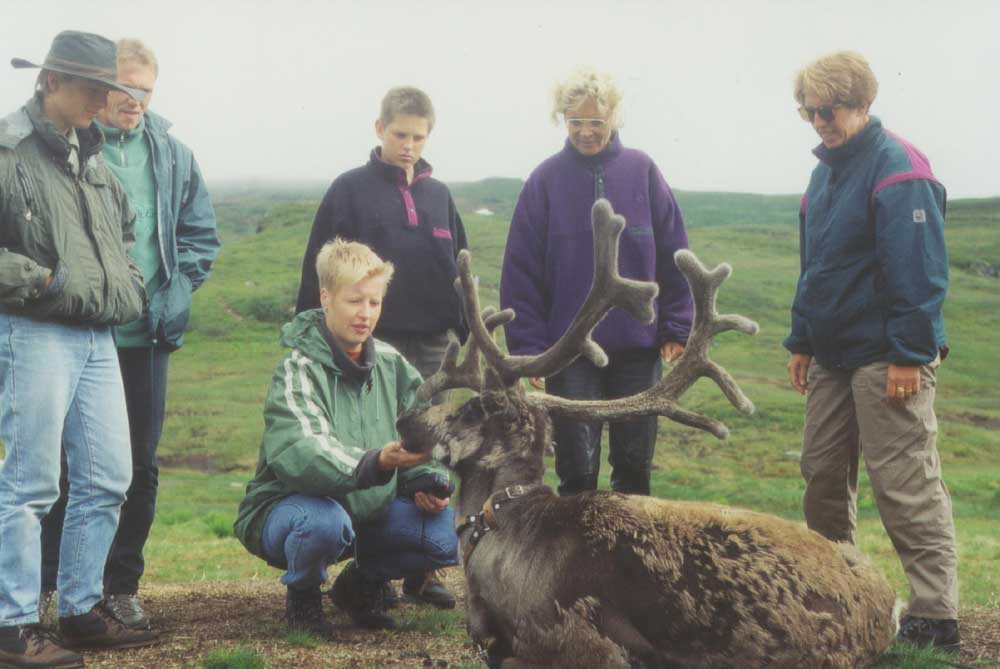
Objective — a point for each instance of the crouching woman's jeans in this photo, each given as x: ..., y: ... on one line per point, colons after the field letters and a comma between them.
x: 304, y: 535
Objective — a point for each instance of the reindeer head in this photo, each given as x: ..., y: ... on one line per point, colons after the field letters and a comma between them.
x: 501, y: 434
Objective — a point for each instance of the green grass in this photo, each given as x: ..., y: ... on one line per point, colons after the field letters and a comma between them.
x: 218, y: 380
x: 429, y: 620
x: 234, y: 658
x: 300, y: 639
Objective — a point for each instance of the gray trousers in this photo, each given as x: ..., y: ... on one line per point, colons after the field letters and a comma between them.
x: 423, y: 351
x: 847, y: 414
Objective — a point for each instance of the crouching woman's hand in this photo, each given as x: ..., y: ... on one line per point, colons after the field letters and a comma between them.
x: 430, y: 491
x: 394, y: 456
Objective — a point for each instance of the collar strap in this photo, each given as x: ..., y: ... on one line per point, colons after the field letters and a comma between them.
x: 486, y: 521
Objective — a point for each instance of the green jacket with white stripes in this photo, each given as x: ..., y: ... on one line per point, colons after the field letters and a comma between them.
x: 323, y: 430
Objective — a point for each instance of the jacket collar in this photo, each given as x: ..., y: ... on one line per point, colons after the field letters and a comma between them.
x: 307, y: 332
x: 91, y: 139
x: 611, y: 151
x: 838, y: 156
x: 127, y: 135
x: 360, y: 371
x: 394, y: 174
x: 156, y: 124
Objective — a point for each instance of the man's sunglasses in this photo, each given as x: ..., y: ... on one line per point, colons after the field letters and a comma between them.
x: 825, y: 112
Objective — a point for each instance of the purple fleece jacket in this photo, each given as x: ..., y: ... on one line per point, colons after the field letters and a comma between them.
x: 548, y: 264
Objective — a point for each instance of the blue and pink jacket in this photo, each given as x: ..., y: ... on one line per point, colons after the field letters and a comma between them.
x: 414, y: 226
x: 549, y: 260
x: 874, y: 267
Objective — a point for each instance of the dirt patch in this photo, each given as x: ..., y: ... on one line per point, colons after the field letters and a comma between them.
x: 199, y: 462
x: 199, y: 618
x: 977, y: 420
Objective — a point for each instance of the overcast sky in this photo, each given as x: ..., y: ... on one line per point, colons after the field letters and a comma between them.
x: 290, y: 90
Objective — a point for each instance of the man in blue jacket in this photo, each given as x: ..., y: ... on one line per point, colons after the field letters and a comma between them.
x: 176, y: 243
x: 868, y: 336
x: 393, y: 205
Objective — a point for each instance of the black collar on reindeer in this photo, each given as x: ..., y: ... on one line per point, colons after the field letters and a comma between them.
x: 486, y: 521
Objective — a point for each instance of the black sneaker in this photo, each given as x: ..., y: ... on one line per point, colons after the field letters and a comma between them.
x: 361, y: 598
x: 304, y: 612
x: 34, y: 647
x: 429, y: 589
x: 98, y: 628
x: 941, y: 634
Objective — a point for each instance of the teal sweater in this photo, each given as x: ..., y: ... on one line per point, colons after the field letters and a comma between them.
x: 128, y: 154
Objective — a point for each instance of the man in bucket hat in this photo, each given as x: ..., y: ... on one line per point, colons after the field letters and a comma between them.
x: 65, y: 280
x: 176, y: 242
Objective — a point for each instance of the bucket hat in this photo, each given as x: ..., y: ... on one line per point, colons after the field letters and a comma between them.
x: 84, y: 55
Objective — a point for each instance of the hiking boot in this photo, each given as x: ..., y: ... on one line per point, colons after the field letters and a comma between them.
x: 127, y: 609
x: 304, y: 612
x: 429, y: 589
x: 34, y: 647
x: 390, y: 597
x: 362, y: 598
x: 941, y: 634
x: 98, y: 628
x: 48, y: 614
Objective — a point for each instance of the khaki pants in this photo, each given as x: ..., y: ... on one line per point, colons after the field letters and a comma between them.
x: 847, y: 413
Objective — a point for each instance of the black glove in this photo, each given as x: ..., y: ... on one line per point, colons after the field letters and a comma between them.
x: 431, y: 483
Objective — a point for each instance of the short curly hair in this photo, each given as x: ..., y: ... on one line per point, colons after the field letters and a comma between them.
x: 843, y: 78
x: 583, y: 83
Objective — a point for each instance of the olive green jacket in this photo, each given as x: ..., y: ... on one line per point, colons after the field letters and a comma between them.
x: 74, y: 228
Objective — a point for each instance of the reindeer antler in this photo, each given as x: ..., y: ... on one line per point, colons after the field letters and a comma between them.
x: 609, y: 289
x: 468, y: 374
x: 693, y: 364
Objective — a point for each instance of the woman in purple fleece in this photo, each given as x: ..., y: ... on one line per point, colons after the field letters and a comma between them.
x: 548, y: 268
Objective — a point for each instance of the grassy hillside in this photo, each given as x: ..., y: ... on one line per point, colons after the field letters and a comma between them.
x: 219, y: 378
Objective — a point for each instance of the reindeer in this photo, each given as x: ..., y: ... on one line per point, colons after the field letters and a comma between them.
x: 606, y: 580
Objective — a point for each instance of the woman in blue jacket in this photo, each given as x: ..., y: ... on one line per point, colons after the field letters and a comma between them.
x: 868, y: 335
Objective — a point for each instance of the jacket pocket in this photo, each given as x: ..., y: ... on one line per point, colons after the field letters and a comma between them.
x: 170, y: 310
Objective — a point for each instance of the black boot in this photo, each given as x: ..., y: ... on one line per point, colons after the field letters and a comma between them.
x: 362, y: 598
x: 941, y: 634
x: 304, y: 612
x: 429, y: 589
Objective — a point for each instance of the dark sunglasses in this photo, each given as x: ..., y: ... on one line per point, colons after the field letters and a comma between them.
x: 825, y: 112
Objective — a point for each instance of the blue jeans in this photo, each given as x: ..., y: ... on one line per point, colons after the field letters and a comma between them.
x: 60, y: 387
x: 304, y: 535
x: 631, y: 442
x: 144, y: 375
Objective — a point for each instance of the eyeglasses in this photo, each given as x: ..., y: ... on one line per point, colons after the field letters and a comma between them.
x: 581, y: 123
x: 825, y: 112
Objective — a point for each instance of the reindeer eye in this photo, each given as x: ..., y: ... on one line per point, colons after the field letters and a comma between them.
x: 472, y: 411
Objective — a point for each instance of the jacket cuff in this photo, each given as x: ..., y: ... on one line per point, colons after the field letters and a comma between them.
x: 434, y: 483
x: 367, y: 473
x: 58, y: 281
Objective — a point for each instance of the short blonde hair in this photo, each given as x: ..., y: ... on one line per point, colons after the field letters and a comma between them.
x: 843, y: 78
x: 343, y: 263
x: 583, y: 83
x: 134, y: 52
